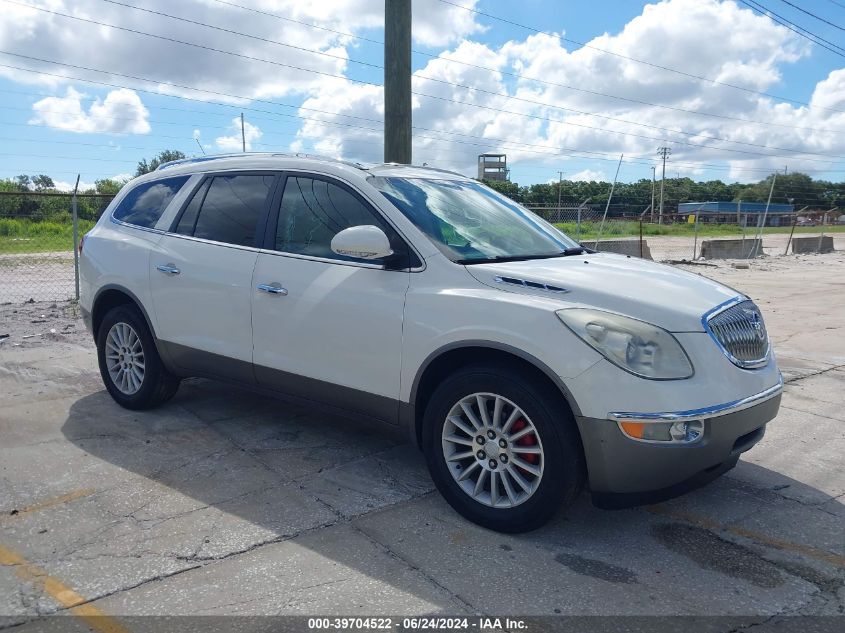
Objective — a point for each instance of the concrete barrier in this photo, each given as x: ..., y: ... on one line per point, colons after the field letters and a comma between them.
x: 621, y: 247
x: 820, y: 244
x: 731, y: 249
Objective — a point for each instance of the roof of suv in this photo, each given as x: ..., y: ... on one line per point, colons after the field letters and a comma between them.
x: 278, y: 160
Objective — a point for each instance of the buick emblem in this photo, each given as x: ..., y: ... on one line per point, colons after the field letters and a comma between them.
x: 757, y: 323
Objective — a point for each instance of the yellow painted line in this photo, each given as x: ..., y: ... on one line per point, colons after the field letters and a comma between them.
x: 55, y: 501
x: 61, y: 593
x: 806, y: 550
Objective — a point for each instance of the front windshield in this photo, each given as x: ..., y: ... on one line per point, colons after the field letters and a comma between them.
x: 471, y: 223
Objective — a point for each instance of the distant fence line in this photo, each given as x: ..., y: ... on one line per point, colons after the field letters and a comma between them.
x: 37, y: 247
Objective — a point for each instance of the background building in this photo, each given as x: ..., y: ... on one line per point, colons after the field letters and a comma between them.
x: 742, y: 213
x: 492, y: 167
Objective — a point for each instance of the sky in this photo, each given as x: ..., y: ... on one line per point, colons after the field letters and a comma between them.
x: 736, y: 89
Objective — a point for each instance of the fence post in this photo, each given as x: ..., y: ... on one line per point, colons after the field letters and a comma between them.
x: 641, y: 237
x: 821, y: 236
x: 75, y: 240
x: 695, y: 239
x: 791, y: 233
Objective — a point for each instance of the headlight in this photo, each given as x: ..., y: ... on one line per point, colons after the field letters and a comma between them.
x: 638, y: 347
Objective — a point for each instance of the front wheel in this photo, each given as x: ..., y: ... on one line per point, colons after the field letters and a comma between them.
x: 130, y: 366
x: 502, y: 449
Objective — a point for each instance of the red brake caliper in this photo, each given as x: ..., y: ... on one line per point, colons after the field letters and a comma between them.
x: 525, y: 440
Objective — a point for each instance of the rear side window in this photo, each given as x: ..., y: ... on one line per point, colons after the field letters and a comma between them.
x: 227, y: 208
x: 144, y: 205
x: 314, y: 211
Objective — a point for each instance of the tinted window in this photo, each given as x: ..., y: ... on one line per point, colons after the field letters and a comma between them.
x: 188, y: 221
x: 227, y: 210
x: 144, y: 205
x: 314, y: 211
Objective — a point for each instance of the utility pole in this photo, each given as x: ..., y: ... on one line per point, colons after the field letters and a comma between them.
x: 664, y: 153
x: 653, y: 179
x: 397, y: 81
x: 243, y: 133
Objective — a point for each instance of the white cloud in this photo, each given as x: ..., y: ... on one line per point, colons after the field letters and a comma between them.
x: 235, y: 141
x: 53, y: 37
x: 720, y: 39
x: 588, y: 175
x: 567, y: 118
x: 121, y: 112
x: 63, y: 185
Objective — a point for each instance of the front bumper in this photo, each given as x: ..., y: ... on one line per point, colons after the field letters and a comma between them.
x: 624, y: 472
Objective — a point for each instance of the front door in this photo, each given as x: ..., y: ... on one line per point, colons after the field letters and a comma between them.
x: 327, y: 327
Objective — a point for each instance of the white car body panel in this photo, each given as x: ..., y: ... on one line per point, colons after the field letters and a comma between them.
x: 206, y: 306
x: 339, y: 323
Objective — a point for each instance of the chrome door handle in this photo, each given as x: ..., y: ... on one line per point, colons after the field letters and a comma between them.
x: 273, y: 289
x: 170, y: 269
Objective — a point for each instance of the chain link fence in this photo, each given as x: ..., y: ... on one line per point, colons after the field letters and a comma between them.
x: 37, y: 243
x: 37, y: 246
x: 695, y: 237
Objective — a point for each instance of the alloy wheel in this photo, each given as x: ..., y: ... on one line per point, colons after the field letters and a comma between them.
x: 125, y: 358
x: 493, y: 450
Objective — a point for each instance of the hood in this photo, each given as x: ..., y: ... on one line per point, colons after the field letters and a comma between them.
x: 663, y: 295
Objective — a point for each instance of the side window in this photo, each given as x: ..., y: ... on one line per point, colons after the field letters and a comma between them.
x: 313, y: 211
x: 227, y: 208
x: 144, y: 205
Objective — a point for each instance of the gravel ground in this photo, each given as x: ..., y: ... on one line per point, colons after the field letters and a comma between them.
x: 40, y: 323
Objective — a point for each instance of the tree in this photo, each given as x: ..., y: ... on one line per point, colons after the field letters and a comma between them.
x: 163, y: 157
x: 108, y: 186
x: 42, y: 182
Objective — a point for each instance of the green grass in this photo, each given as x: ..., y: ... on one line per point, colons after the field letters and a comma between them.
x: 589, y: 230
x: 26, y: 236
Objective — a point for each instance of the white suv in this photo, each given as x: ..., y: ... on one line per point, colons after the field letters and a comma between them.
x: 524, y: 365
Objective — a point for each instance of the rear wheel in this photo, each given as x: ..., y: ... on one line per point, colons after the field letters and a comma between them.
x: 502, y: 449
x: 130, y: 366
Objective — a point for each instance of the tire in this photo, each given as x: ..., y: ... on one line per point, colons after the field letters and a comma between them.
x: 560, y: 461
x: 135, y: 381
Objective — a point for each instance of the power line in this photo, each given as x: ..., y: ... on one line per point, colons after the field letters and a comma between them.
x: 821, y: 19
x: 474, y: 105
x: 525, y: 115
x: 812, y: 37
x: 636, y: 60
x: 493, y: 70
x: 505, y: 96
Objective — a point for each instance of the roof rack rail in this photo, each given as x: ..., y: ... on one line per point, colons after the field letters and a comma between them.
x: 424, y: 166
x: 202, y: 159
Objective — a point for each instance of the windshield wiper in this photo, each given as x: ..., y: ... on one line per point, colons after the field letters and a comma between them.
x: 576, y: 250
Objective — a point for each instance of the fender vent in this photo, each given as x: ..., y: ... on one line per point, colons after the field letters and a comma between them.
x: 528, y: 284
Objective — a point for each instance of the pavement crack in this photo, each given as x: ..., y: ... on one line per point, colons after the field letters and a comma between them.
x: 795, y: 379
x: 463, y: 602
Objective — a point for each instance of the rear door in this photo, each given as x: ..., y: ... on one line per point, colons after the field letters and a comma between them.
x: 331, y: 328
x: 201, y: 275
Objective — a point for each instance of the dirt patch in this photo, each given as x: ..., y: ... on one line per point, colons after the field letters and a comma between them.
x: 41, y: 323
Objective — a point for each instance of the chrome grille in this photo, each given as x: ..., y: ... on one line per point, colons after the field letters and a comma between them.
x: 740, y: 332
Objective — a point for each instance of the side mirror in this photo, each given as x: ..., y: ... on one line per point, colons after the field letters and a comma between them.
x: 364, y: 242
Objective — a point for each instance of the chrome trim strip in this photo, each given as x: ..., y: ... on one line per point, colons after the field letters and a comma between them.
x: 742, y: 364
x: 705, y: 412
